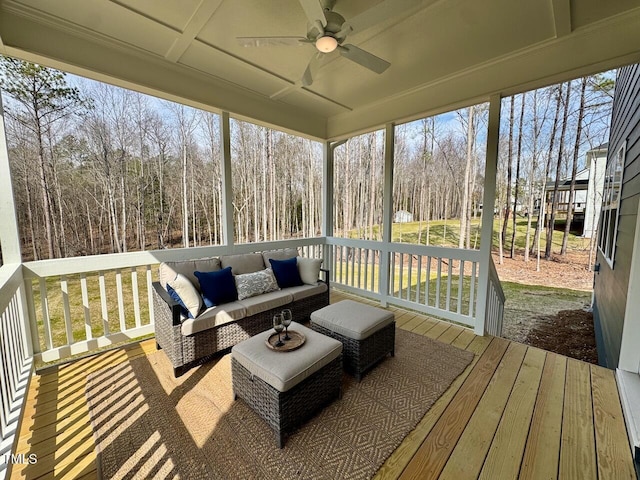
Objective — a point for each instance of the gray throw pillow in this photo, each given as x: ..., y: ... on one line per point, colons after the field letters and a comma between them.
x: 257, y: 283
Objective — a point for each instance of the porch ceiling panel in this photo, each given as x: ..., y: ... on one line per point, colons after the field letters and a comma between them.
x: 443, y: 53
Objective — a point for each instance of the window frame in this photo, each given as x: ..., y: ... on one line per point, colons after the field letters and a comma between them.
x: 611, y: 199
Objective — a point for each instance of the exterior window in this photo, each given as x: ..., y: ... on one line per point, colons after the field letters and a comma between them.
x: 610, y: 207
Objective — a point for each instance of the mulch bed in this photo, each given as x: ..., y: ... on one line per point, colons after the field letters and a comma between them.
x: 569, y: 332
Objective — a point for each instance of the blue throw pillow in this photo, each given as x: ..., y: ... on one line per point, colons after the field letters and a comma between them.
x: 174, y: 295
x: 286, y: 272
x: 217, y: 287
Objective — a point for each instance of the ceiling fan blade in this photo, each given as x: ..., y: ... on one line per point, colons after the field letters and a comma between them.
x: 313, y: 11
x: 379, y: 13
x: 312, y: 69
x: 272, y: 41
x: 366, y: 59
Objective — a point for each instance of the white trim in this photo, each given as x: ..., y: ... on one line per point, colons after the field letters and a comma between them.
x: 228, y: 231
x: 609, y: 251
x: 629, y: 390
x: 630, y: 344
x: 489, y: 199
x: 9, y: 232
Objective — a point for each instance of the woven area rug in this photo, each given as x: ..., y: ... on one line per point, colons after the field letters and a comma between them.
x: 148, y: 424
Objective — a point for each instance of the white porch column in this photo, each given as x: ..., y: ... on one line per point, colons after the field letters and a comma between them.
x: 488, y: 202
x: 387, y: 212
x: 327, y: 202
x: 227, y: 187
x: 9, y: 232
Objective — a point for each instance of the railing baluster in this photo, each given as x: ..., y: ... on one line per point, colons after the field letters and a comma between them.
x: 359, y: 267
x: 401, y: 282
x: 428, y: 284
x: 410, y: 281
x: 46, y: 319
x: 366, y: 267
x: 353, y: 268
x: 460, y: 284
x: 136, y: 297
x: 85, y: 306
x: 472, y: 289
x: 392, y: 269
x: 123, y: 326
x: 419, y: 283
x: 438, y: 276
x: 449, y: 275
x: 103, y: 303
x: 150, y: 293
x: 64, y: 287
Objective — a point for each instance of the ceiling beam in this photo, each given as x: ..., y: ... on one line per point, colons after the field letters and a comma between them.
x: 561, y: 17
x: 196, y: 23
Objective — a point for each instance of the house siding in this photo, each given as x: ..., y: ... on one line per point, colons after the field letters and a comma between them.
x: 611, y: 284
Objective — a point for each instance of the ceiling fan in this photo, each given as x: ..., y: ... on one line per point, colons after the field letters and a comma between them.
x: 328, y: 30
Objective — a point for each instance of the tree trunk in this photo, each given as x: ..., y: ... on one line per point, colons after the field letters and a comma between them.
x: 574, y: 168
x: 509, y: 169
x: 554, y: 204
x: 515, y: 193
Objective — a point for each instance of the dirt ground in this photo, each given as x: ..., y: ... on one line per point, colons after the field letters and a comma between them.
x: 558, y: 321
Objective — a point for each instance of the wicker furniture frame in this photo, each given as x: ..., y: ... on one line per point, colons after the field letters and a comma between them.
x: 188, y: 351
x: 286, y: 411
x: 360, y: 355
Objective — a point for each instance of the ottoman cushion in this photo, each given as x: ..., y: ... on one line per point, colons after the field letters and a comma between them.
x: 352, y: 319
x: 284, y: 370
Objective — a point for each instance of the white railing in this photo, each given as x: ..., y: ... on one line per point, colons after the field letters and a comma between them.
x: 81, y: 304
x: 495, y: 303
x: 16, y: 358
x: 435, y: 280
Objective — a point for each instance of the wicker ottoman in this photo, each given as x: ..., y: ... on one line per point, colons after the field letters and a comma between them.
x: 367, y: 333
x: 287, y: 388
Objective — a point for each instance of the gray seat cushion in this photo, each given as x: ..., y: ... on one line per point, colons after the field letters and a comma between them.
x: 243, y: 263
x: 352, y: 319
x: 168, y: 270
x: 266, y: 301
x: 284, y: 370
x: 212, y: 317
x: 305, y: 291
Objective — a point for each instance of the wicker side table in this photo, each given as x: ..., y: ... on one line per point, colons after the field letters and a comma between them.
x: 287, y: 388
x: 367, y: 333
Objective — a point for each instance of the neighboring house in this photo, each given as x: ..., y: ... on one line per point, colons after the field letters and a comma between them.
x: 588, y: 192
x: 402, y: 216
x: 616, y: 305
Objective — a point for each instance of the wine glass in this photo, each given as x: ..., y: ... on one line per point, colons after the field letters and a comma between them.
x: 278, y: 327
x: 286, y: 320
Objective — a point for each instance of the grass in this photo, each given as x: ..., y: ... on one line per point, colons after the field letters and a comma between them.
x: 446, y: 233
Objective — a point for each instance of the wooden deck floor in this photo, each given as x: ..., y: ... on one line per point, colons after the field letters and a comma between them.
x: 515, y: 412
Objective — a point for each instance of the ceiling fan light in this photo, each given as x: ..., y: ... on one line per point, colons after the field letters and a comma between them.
x: 326, y: 44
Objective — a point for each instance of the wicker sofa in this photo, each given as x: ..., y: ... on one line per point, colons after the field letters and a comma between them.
x: 188, y: 342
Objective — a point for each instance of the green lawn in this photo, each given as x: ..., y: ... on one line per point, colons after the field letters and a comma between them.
x: 443, y: 233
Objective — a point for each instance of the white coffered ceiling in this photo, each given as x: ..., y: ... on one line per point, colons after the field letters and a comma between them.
x: 443, y: 53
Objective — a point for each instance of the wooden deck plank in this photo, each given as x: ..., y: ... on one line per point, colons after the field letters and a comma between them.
x: 505, y: 454
x: 437, y: 330
x: 434, y: 452
x: 612, y: 446
x: 426, y: 324
x: 577, y: 447
x: 397, y: 462
x: 55, y: 420
x: 450, y: 334
x: 464, y: 339
x: 469, y: 454
x: 543, y: 445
